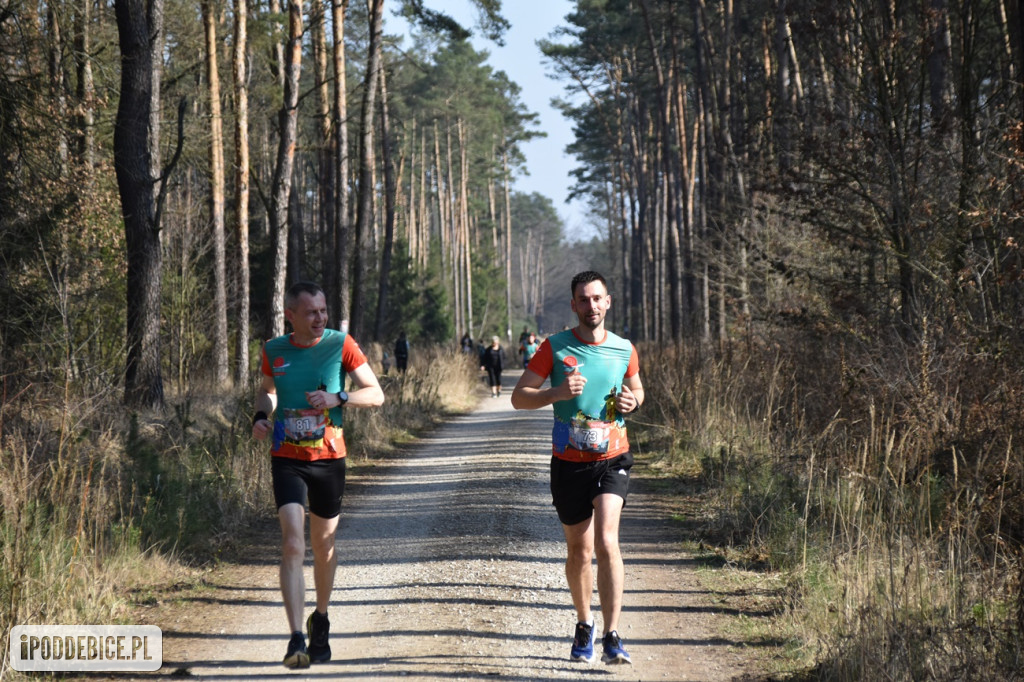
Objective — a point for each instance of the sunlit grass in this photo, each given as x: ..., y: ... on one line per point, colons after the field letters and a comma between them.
x: 886, y: 540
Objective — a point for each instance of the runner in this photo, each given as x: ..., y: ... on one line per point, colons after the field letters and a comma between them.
x: 595, y: 380
x: 528, y: 348
x: 299, y: 403
x: 492, y: 361
x: 402, y: 352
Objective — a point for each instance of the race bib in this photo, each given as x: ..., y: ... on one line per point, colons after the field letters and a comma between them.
x: 589, y: 436
x: 304, y: 426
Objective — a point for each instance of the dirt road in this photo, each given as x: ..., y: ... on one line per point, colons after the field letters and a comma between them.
x: 451, y: 568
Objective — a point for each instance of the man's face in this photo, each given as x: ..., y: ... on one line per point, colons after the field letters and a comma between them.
x: 309, y: 316
x: 590, y: 302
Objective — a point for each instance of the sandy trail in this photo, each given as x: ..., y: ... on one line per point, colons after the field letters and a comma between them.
x: 451, y: 567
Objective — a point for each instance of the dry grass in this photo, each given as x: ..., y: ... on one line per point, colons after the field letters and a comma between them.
x: 439, y: 382
x: 887, y: 488
x: 97, y: 507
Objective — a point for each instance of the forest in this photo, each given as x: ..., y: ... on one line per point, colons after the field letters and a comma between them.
x: 811, y: 212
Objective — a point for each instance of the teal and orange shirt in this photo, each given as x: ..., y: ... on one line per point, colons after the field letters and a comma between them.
x: 301, y: 431
x: 587, y: 428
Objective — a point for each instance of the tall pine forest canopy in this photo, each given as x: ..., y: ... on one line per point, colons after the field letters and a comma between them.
x: 848, y: 172
x: 168, y: 169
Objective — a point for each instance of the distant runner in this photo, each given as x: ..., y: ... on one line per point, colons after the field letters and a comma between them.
x: 595, y: 380
x: 492, y: 360
x: 528, y: 348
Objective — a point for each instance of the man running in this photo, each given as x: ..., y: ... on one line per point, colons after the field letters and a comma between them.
x: 300, y: 404
x: 595, y: 380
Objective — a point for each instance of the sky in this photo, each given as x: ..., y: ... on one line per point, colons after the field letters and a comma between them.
x: 546, y: 160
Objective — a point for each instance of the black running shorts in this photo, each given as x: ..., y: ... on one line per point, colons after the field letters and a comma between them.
x: 574, y: 485
x: 322, y: 481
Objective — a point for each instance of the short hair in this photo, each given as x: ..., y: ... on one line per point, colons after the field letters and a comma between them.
x: 291, y: 297
x: 586, y: 277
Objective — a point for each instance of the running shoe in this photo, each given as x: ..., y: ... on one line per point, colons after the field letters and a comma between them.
x: 614, y: 652
x: 296, y: 656
x: 318, y: 627
x: 583, y: 643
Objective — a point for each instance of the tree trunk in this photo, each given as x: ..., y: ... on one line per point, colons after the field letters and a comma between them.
x: 241, y: 190
x: 670, y: 227
x: 220, y: 299
x: 325, y: 158
x: 137, y: 163
x: 464, y: 219
x: 341, y: 207
x: 58, y: 89
x: 85, y: 88
x: 411, y: 226
x: 390, y: 188
x: 507, y: 177
x: 451, y: 226
x: 364, y: 214
x: 277, y: 55
x: 282, y: 185
x: 424, y: 222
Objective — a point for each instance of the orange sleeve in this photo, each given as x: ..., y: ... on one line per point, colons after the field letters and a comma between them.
x: 543, y: 360
x: 265, y: 362
x: 351, y: 354
x: 634, y: 362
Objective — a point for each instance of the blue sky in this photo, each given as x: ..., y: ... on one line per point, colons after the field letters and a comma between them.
x: 520, y: 58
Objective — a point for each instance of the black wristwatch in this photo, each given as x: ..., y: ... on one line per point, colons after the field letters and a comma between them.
x: 342, y: 398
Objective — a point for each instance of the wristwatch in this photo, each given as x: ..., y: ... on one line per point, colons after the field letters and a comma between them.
x: 342, y: 398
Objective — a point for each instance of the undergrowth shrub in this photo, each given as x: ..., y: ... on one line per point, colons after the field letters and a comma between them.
x: 439, y: 381
x: 884, y: 477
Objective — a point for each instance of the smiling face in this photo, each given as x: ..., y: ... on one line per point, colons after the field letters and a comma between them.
x: 308, y: 317
x: 590, y: 302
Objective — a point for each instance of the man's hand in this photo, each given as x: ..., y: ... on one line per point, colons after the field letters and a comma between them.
x: 625, y: 401
x: 260, y: 428
x: 322, y: 400
x: 573, y: 385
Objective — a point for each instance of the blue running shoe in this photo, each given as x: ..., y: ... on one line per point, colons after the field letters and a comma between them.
x: 614, y: 652
x: 296, y: 656
x: 583, y: 643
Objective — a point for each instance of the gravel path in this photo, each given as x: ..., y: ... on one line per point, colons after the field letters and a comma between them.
x: 451, y: 568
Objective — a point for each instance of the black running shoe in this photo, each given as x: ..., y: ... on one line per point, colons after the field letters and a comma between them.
x: 318, y: 627
x: 296, y: 656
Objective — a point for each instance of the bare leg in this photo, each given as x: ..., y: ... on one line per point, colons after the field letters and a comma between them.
x: 293, y: 551
x: 579, y: 573
x: 321, y: 537
x: 610, y: 572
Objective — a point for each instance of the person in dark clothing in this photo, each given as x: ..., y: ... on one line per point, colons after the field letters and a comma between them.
x: 467, y: 343
x: 401, y: 352
x: 492, y: 361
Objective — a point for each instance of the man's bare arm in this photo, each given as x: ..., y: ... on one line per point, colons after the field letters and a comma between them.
x: 528, y: 394
x: 368, y: 392
x: 266, y: 402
